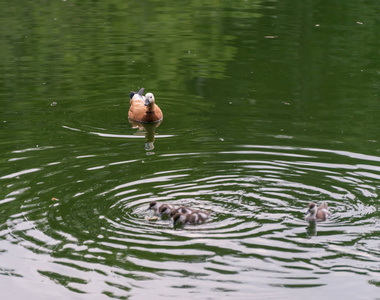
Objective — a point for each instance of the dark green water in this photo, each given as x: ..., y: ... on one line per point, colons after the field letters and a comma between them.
x: 267, y: 106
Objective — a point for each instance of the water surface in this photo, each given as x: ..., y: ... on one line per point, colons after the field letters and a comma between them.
x: 267, y: 106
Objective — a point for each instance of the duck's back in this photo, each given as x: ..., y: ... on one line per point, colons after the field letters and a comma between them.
x: 199, y: 216
x: 323, y: 212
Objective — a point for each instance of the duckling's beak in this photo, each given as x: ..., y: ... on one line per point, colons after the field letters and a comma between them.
x: 147, y: 102
x: 308, y: 212
x: 141, y: 91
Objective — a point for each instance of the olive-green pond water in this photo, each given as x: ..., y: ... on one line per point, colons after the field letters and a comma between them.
x: 268, y: 105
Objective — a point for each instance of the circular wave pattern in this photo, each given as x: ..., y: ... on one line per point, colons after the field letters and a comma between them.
x: 95, y: 238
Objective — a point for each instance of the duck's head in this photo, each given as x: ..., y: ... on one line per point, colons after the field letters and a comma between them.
x: 152, y: 205
x: 312, y: 208
x: 149, y: 99
x: 176, y: 218
x: 162, y: 210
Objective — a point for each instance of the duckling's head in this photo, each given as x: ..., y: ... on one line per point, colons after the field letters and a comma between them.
x: 312, y: 208
x: 149, y: 99
x: 162, y: 210
x: 152, y: 205
x: 176, y: 218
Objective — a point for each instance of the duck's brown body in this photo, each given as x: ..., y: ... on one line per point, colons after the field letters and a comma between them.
x: 144, y: 109
x: 141, y: 113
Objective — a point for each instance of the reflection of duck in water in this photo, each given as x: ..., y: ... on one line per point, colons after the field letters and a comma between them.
x: 148, y: 129
x: 315, y: 213
x: 143, y: 108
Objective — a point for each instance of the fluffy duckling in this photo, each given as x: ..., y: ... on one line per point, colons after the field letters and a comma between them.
x: 315, y: 213
x: 143, y: 108
x: 195, y: 217
x: 182, y: 210
x: 166, y: 209
x: 156, y: 207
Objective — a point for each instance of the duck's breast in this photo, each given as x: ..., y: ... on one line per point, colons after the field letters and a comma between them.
x: 309, y: 217
x: 138, y: 112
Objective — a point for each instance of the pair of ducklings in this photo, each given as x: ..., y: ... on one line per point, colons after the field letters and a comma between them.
x: 180, y: 215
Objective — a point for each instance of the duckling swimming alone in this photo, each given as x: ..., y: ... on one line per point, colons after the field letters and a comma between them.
x: 143, y: 108
x: 315, y: 213
x: 195, y: 217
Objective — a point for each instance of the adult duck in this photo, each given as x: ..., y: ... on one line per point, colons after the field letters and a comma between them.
x: 143, y: 108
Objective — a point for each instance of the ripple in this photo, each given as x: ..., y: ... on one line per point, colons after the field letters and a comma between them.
x: 17, y: 174
x: 256, y: 231
x: 114, y: 135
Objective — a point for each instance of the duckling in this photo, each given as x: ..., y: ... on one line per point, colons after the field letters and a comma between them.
x: 143, y: 108
x: 182, y: 210
x: 166, y: 209
x: 315, y: 213
x: 154, y: 206
x: 195, y: 217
